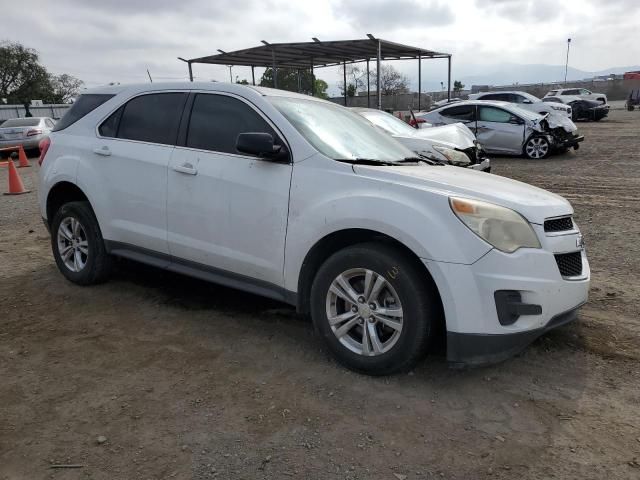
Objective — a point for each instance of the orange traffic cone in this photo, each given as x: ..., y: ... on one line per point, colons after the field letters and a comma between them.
x: 16, y: 187
x: 22, y: 158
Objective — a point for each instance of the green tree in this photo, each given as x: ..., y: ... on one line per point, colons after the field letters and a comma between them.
x: 458, y: 86
x: 351, y: 90
x: 242, y: 82
x: 288, y: 80
x: 391, y: 80
x: 23, y: 78
x: 65, y: 87
x: 321, y: 89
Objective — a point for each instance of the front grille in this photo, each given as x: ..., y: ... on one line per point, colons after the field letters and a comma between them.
x: 569, y: 264
x: 558, y: 224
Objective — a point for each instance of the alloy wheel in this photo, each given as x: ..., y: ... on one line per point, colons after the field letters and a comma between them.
x: 537, y: 147
x: 364, y: 312
x: 73, y: 246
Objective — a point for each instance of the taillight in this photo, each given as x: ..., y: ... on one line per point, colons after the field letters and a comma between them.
x: 44, y: 146
x: 34, y: 131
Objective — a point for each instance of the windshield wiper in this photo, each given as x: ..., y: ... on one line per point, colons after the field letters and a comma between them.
x: 419, y: 158
x: 365, y: 161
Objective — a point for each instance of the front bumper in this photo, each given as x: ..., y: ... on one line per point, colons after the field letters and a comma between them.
x: 568, y: 142
x: 484, y: 166
x: 474, y: 331
x: 477, y: 349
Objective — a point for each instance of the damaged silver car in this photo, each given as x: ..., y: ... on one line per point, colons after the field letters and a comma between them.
x: 504, y: 128
x: 451, y: 144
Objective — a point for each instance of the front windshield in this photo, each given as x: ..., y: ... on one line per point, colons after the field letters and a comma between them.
x: 389, y: 123
x: 526, y: 114
x: 533, y: 98
x: 339, y: 133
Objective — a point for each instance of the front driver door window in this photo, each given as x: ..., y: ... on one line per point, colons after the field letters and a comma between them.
x: 498, y: 130
x: 226, y: 209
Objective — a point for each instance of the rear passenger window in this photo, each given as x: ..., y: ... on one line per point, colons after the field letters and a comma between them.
x: 461, y: 112
x: 148, y: 118
x: 216, y: 121
x: 82, y: 106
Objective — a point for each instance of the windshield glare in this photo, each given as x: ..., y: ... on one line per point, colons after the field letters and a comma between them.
x: 388, y: 122
x: 338, y: 133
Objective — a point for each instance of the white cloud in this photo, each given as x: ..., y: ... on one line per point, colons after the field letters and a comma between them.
x: 116, y: 40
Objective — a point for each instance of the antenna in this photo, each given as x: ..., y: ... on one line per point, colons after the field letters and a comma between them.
x: 150, y: 79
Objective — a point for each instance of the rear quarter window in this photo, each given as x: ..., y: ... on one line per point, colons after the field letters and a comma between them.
x: 82, y: 106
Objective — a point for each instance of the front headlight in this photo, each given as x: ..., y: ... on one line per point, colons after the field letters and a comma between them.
x: 454, y: 156
x: 563, y: 108
x: 499, y: 226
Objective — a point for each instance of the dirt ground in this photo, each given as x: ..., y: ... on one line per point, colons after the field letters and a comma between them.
x: 185, y: 379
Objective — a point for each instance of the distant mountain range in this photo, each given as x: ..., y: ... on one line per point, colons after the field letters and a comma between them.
x: 507, y: 74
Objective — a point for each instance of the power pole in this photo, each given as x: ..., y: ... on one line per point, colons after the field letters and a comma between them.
x: 230, y: 73
x: 566, y: 65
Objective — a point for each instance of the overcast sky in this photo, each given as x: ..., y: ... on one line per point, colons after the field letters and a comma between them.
x: 117, y: 40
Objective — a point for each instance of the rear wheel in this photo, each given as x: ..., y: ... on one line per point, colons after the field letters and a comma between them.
x: 78, y: 246
x: 373, y: 308
x: 537, y: 147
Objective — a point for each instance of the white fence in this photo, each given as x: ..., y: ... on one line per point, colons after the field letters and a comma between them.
x: 15, y: 111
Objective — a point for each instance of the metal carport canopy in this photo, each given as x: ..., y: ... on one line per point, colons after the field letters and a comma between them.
x: 310, y: 55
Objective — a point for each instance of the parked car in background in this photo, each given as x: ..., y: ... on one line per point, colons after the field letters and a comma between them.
x: 451, y: 144
x: 27, y: 132
x: 382, y: 249
x: 524, y: 100
x: 578, y: 92
x: 580, y: 109
x: 505, y: 128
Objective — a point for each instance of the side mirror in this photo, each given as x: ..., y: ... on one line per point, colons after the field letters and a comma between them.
x: 261, y: 145
x: 528, y: 102
x: 515, y: 120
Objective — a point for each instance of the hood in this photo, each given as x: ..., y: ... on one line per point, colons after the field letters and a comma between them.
x: 456, y: 134
x: 555, y: 120
x: 533, y: 203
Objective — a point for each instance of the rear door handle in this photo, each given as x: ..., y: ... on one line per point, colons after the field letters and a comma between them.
x: 187, y: 168
x: 104, y: 151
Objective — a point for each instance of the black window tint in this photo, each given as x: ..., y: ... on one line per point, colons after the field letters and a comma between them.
x: 109, y: 127
x: 216, y: 121
x: 461, y: 112
x: 503, y: 97
x: 152, y: 118
x: 83, y: 105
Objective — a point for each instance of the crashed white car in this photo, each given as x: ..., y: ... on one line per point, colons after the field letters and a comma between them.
x: 583, y: 93
x: 451, y: 144
x: 524, y: 100
x: 504, y: 128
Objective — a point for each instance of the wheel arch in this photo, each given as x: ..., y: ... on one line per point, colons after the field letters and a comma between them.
x: 61, y: 193
x: 338, y: 240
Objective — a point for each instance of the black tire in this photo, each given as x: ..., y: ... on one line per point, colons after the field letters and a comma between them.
x: 98, y: 262
x: 541, y: 140
x: 420, y: 307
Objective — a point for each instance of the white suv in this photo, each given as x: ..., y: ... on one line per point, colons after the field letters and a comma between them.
x: 583, y: 93
x: 304, y: 201
x: 524, y: 100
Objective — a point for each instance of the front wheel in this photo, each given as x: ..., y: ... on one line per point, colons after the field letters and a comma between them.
x: 374, y: 309
x: 78, y: 246
x: 537, y: 148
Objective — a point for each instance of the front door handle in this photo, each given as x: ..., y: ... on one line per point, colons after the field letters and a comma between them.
x: 187, y: 168
x: 104, y: 151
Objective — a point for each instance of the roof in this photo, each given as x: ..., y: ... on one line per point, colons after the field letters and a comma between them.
x: 318, y: 53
